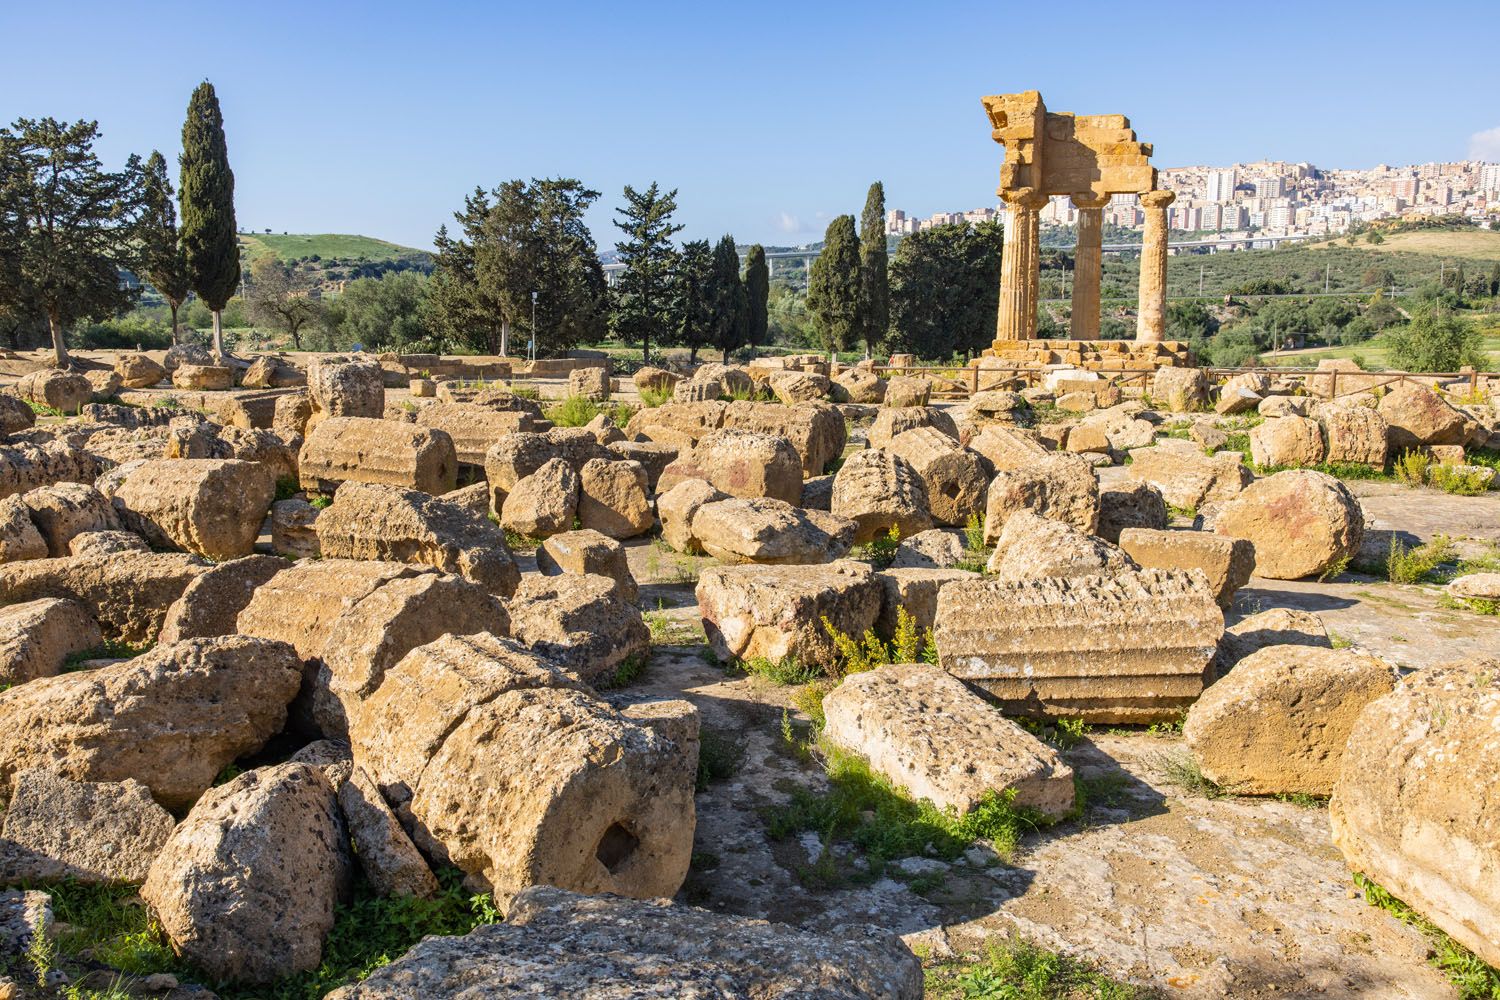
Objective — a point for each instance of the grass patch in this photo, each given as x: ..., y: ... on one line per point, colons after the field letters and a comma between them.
x: 681, y: 570
x: 526, y: 543
x: 785, y: 671
x: 1182, y: 770
x: 1410, y: 467
x: 626, y: 673
x: 109, y: 649
x: 652, y: 398
x: 1064, y: 734
x: 287, y: 487
x: 880, y: 551
x: 43, y: 410
x: 1473, y: 979
x: 320, y: 502
x: 1017, y: 970
x: 1478, y: 605
x: 1418, y: 564
x: 1463, y: 481
x: 720, y: 755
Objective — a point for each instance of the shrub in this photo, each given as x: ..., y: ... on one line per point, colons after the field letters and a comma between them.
x: 652, y: 398
x: 1411, y: 467
x: 1462, y: 480
x: 1417, y: 565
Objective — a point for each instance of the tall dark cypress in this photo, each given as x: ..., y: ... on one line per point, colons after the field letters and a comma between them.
x: 729, y: 305
x: 758, y: 292
x: 207, y: 194
x: 874, y: 285
x: 833, y: 296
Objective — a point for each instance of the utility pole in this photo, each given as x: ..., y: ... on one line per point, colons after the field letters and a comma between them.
x: 1327, y: 270
x: 1200, y: 281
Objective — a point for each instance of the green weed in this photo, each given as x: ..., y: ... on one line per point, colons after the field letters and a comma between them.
x: 1017, y: 970
x: 652, y: 398
x: 1064, y: 734
x: 525, y: 543
x: 881, y: 550
x: 1182, y: 770
x: 720, y: 754
x: 974, y: 534
x: 1472, y: 977
x: 287, y: 487
x: 906, y: 646
x: 109, y: 649
x: 784, y: 671
x: 1464, y: 481
x: 626, y: 673
x: 1410, y: 467
x: 1419, y: 564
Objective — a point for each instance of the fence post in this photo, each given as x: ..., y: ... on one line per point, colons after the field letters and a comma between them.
x: 1333, y: 384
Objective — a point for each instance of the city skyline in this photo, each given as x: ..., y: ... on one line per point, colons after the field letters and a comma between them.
x: 380, y: 119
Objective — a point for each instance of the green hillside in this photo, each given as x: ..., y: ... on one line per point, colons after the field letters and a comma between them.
x: 326, y: 247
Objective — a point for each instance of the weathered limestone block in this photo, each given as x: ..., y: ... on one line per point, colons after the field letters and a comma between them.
x: 24, y: 467
x: 339, y: 449
x: 763, y: 530
x: 291, y: 414
x: 816, y: 430
x: 37, y: 637
x: 680, y: 424
x: 677, y: 508
x: 103, y: 384
x: 544, y: 503
x: 246, y: 887
x: 19, y: 538
x: 386, y: 854
x: 858, y: 385
x: 15, y: 416
x: 1353, y: 434
x: 550, y: 943
x: 1187, y: 478
x: 1417, y: 416
x: 1006, y: 448
x: 1276, y: 627
x: 1406, y: 810
x: 503, y: 765
x: 171, y: 718
x: 890, y: 421
x: 474, y: 429
x: 655, y: 379
x: 268, y: 371
x: 1301, y: 523
x: 339, y: 387
x: 186, y: 354
x: 1127, y: 648
x: 61, y: 390
x: 294, y: 529
x: 957, y: 479
x: 203, y: 378
x: 1278, y: 723
x: 580, y: 624
x: 914, y: 590
x: 210, y: 507
x: 128, y: 594
x: 742, y: 464
x: 1059, y: 487
x: 1291, y: 442
x: 925, y: 730
x: 97, y: 833
x: 654, y: 458
x: 1134, y: 504
x: 516, y: 456
x: 936, y: 548
x: 137, y: 371
x: 1476, y: 587
x: 474, y: 499
x: 372, y: 521
x: 212, y: 602
x: 587, y: 552
x: 904, y: 390
x: 1284, y: 406
x: 612, y: 498
x: 64, y: 510
x: 800, y: 387
x: 590, y: 383
x: 775, y: 612
x: 349, y: 621
x: 1226, y: 562
x: 1033, y: 547
x: 1180, y: 389
x: 880, y: 491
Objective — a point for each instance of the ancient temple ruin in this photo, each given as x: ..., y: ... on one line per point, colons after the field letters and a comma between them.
x: 1090, y: 159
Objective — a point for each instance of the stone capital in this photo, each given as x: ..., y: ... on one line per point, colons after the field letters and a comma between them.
x: 1087, y: 199
x: 1158, y: 199
x: 1025, y: 197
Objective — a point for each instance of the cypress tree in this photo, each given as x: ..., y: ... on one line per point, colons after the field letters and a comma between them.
x: 207, y: 192
x: 758, y: 293
x: 692, y: 293
x: 162, y: 263
x: 730, y: 305
x: 875, y: 289
x: 833, y: 286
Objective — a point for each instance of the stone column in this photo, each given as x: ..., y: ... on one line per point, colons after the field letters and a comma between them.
x: 1151, y: 309
x: 1088, y: 268
x: 1019, y: 262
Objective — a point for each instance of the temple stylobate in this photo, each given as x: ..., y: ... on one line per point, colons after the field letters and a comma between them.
x: 1089, y: 159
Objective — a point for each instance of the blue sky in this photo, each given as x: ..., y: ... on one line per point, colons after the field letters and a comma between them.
x: 768, y: 117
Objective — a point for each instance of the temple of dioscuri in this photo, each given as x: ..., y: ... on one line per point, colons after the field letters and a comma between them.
x: 1090, y: 159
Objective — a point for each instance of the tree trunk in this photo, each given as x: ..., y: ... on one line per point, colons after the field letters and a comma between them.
x: 174, y: 306
x: 59, y: 344
x: 505, y: 338
x: 218, y: 334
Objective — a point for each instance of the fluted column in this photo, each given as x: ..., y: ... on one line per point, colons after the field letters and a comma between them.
x: 1151, y: 309
x: 1019, y: 263
x: 1088, y: 267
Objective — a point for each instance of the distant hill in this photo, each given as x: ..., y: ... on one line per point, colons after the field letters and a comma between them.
x: 1474, y: 244
x: 327, y: 247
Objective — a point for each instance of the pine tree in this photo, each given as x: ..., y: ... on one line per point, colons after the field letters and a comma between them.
x: 162, y: 262
x: 730, y: 304
x: 875, y: 289
x: 692, y: 310
x: 943, y: 290
x: 758, y: 293
x: 68, y: 227
x: 643, y: 299
x: 833, y: 286
x: 206, y: 189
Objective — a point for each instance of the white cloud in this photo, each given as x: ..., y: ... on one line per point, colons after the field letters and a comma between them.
x: 1485, y: 145
x: 789, y: 223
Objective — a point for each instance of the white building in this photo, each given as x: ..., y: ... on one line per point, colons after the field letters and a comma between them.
x: 1221, y: 184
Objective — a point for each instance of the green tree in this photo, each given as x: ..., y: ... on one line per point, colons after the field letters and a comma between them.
x: 69, y: 226
x: 1495, y: 279
x: 692, y: 308
x: 385, y: 313
x: 206, y: 189
x: 833, y: 296
x: 280, y: 296
x: 729, y: 303
x: 456, y: 304
x: 1435, y: 342
x: 162, y: 261
x: 757, y: 293
x: 643, y: 294
x: 874, y: 285
x: 944, y: 290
